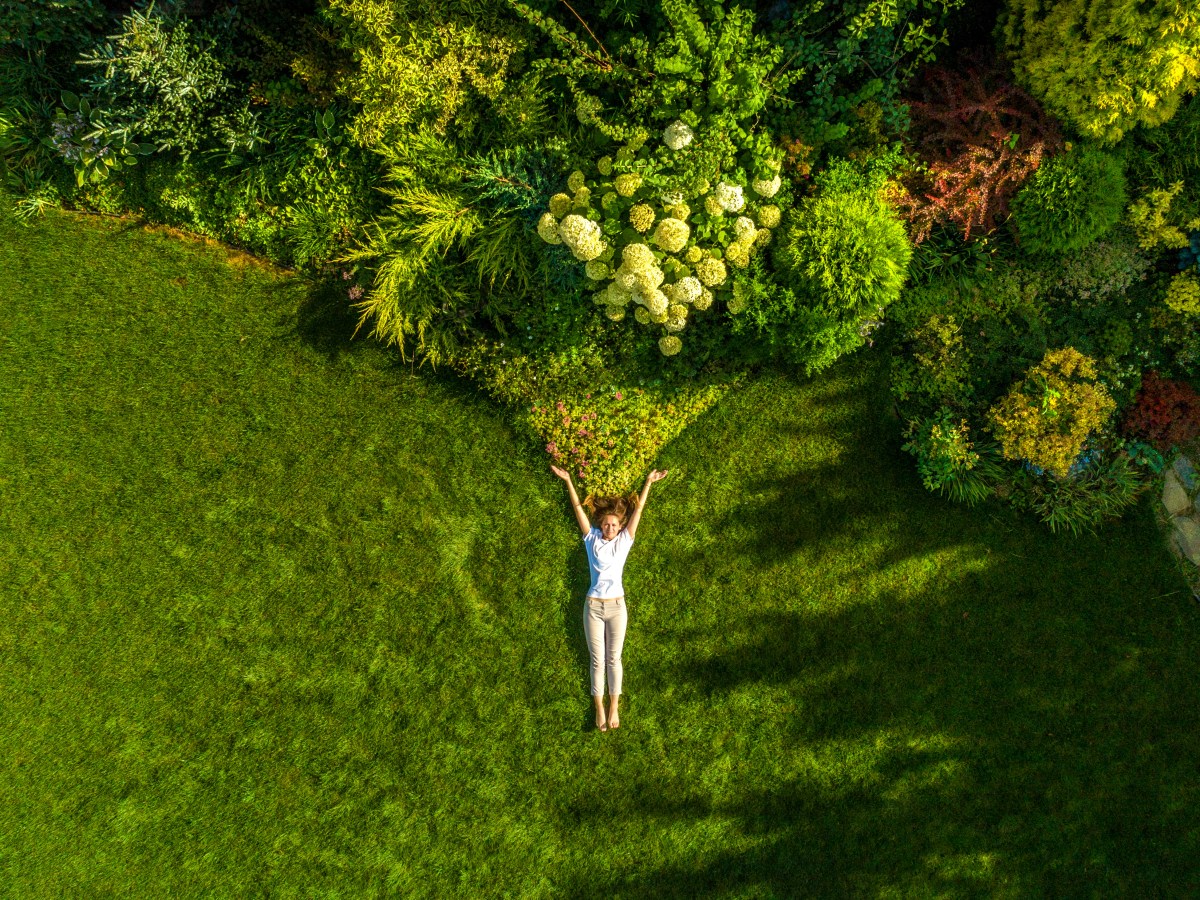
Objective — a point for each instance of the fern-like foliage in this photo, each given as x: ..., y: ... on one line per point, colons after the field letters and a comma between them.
x: 455, y: 254
x: 980, y: 138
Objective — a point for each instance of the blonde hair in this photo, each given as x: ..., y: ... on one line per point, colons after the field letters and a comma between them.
x: 621, y: 507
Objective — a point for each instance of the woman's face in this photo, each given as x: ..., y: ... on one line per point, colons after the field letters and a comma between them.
x: 610, y: 526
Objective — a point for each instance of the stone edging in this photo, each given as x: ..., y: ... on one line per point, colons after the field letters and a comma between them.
x: 1181, y: 503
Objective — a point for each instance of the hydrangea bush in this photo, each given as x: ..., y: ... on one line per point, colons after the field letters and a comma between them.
x: 662, y: 251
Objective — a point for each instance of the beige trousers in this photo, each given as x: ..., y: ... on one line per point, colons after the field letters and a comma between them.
x: 604, y: 624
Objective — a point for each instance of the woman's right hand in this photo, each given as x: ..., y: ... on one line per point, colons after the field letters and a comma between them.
x: 561, y: 473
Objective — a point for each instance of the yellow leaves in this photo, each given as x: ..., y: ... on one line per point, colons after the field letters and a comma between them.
x: 1183, y: 294
x: 1149, y: 218
x: 1047, y: 416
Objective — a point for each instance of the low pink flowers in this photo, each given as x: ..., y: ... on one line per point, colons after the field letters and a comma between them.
x: 559, y: 406
x: 618, y: 395
x: 552, y: 447
x: 355, y: 292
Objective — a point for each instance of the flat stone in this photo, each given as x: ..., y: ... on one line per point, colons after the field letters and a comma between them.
x: 1186, y: 471
x: 1174, y: 497
x: 1187, y: 537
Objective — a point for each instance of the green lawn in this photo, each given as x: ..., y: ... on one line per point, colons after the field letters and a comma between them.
x: 282, y: 618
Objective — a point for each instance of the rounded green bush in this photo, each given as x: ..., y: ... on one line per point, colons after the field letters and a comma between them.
x: 1070, y: 201
x: 845, y: 252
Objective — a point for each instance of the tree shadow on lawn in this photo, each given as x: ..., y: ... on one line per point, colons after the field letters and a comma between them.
x: 979, y: 742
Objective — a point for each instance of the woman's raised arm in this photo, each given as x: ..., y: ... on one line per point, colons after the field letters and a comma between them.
x: 631, y: 526
x: 584, y: 525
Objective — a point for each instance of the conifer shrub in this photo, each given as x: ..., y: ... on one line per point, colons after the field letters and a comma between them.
x: 1070, y: 201
x: 845, y: 254
x: 1105, y: 66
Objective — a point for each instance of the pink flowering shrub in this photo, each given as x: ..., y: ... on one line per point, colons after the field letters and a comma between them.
x: 607, y: 437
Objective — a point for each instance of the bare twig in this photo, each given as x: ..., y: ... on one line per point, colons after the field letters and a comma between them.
x: 585, y: 25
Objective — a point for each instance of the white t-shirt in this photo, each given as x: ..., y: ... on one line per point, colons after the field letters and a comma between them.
x: 606, y: 559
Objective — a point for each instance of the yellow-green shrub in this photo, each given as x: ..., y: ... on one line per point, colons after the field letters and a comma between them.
x: 607, y: 434
x: 1047, y: 416
x: 1183, y: 294
x: 1151, y: 218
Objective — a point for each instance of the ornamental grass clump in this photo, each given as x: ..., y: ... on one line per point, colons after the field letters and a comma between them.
x: 660, y: 242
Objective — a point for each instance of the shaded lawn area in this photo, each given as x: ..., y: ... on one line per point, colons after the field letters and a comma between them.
x: 282, y: 618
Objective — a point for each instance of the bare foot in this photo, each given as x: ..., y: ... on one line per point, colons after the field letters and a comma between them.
x: 614, y: 720
x: 601, y: 724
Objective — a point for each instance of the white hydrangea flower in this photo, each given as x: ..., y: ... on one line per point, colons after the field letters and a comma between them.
x: 574, y: 227
x: 649, y: 279
x: 671, y: 198
x: 616, y: 313
x: 596, y: 270
x: 641, y: 217
x: 575, y: 181
x: 713, y: 206
x: 672, y: 235
x: 739, y: 300
x: 547, y: 229
x: 600, y: 298
x: 744, y: 228
x: 677, y: 135
x: 763, y: 237
x: 589, y: 248
x: 693, y: 256
x: 669, y: 345
x: 625, y: 277
x: 769, y: 216
x: 738, y: 254
x: 582, y: 235
x: 711, y: 272
x: 587, y: 108
x: 730, y: 197
x: 704, y: 301
x: 642, y: 315
x: 659, y: 318
x: 560, y: 204
x: 657, y: 303
x: 766, y: 187
x: 676, y: 317
x: 627, y: 184
x: 685, y: 290
x: 637, y: 257
x: 619, y: 296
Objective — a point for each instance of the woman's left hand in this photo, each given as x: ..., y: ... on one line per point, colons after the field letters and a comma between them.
x: 656, y: 475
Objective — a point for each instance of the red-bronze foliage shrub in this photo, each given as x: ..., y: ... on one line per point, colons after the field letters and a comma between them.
x: 981, y: 138
x: 1165, y: 413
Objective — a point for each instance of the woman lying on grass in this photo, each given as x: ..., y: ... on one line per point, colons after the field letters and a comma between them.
x: 604, y: 615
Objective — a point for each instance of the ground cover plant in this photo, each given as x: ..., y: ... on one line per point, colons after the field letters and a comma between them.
x: 284, y: 617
